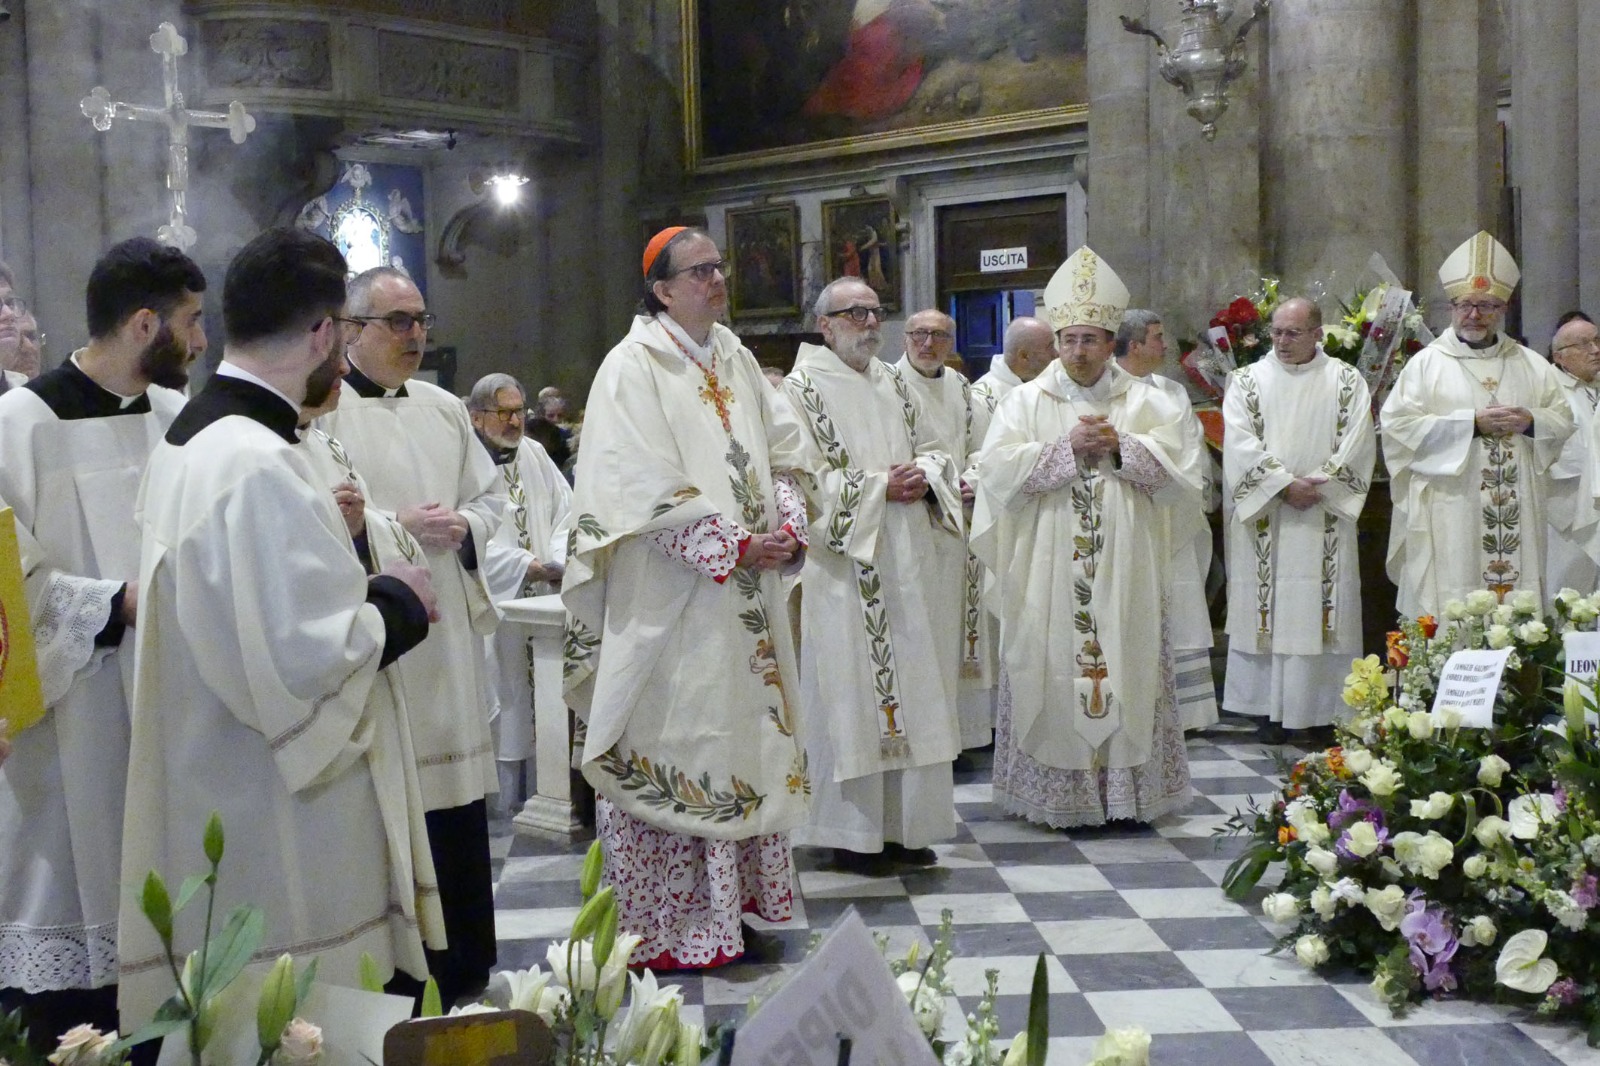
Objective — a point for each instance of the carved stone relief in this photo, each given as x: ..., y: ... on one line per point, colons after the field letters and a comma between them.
x: 438, y: 71
x: 262, y: 54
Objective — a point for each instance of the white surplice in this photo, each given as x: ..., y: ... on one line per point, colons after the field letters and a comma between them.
x: 958, y: 419
x: 257, y: 651
x: 534, y: 528
x: 878, y: 681
x: 1294, y: 581
x: 413, y: 450
x: 1088, y: 723
x: 1572, y: 535
x: 72, y: 484
x: 1448, y: 483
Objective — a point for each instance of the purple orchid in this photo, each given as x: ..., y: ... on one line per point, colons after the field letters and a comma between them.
x: 1586, y: 891
x: 1352, y: 809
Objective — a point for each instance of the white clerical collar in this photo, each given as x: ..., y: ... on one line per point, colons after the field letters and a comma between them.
x: 701, y: 353
x: 1001, y: 371
x: 233, y: 370
x: 123, y: 402
x: 1099, y: 392
x: 1300, y: 368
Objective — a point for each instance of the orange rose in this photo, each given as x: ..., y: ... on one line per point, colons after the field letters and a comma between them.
x: 1286, y: 833
x: 1429, y: 625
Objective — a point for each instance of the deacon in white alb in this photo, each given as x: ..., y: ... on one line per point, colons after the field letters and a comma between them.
x: 1074, y: 481
x: 1470, y: 433
x: 74, y: 444
x: 1297, y: 462
x: 1572, y: 542
x: 260, y: 639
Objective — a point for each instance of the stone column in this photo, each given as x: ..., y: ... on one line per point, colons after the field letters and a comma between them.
x: 1587, y: 217
x: 1119, y: 145
x: 1335, y: 151
x: 1545, y: 150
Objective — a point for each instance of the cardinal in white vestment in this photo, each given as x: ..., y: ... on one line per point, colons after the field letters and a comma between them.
x: 526, y: 557
x: 686, y: 512
x: 1297, y: 464
x: 259, y: 640
x: 414, y: 444
x: 1140, y: 346
x: 73, y: 446
x: 1076, y: 473
x: 957, y: 420
x: 1572, y: 542
x: 1470, y: 433
x: 878, y: 671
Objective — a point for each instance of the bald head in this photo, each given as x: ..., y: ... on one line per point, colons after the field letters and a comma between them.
x: 1029, y: 347
x: 1574, y: 349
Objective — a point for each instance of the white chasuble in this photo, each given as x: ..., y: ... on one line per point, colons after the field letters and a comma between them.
x: 1572, y: 542
x: 257, y: 654
x: 73, y: 483
x: 957, y: 420
x: 414, y: 450
x: 686, y: 681
x: 878, y: 669
x: 1084, y: 561
x: 1469, y: 511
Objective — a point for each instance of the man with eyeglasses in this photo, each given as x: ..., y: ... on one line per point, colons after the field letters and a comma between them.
x: 1572, y: 544
x: 878, y: 668
x: 525, y: 557
x: 1470, y: 433
x: 1074, y: 479
x: 1297, y: 464
x: 11, y: 312
x: 414, y: 444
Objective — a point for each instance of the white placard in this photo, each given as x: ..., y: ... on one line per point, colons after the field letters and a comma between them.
x: 1468, y: 684
x: 1583, y: 655
x: 844, y: 988
x: 1000, y: 260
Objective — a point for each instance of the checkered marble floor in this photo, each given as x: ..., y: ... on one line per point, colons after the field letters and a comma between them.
x: 1134, y: 929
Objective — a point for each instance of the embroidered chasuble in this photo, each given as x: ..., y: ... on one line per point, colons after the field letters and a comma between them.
x: 953, y: 416
x: 73, y: 455
x: 1469, y: 511
x: 1572, y: 542
x: 1088, y: 723
x: 418, y: 448
x: 259, y: 643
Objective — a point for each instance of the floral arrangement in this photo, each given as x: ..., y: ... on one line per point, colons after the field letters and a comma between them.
x: 1379, y: 330
x: 1443, y: 859
x: 1239, y: 335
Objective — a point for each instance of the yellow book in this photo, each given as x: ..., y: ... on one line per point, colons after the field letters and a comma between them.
x: 21, y: 699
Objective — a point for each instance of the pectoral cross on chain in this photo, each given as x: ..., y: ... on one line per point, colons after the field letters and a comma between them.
x: 99, y: 108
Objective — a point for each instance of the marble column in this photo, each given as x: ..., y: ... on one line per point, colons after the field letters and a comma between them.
x: 1545, y: 150
x: 1335, y: 159
x: 1588, y: 214
x: 1120, y: 163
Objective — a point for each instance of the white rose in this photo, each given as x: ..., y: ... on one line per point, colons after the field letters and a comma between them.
x: 1123, y: 1047
x: 1475, y: 866
x: 1382, y: 778
x: 1357, y: 760
x: 1407, y: 848
x: 1525, y: 602
x: 1503, y: 615
x: 1535, y: 632
x: 1322, y: 860
x: 82, y: 1045
x: 1491, y: 768
x: 1311, y: 950
x: 1480, y: 602
x: 1437, y: 805
x: 1568, y: 596
x: 1281, y: 907
x: 1361, y: 839
x: 1455, y: 611
x: 1323, y: 903
x: 1584, y: 611
x: 1528, y: 814
x: 1491, y: 829
x: 1448, y: 718
x: 1420, y: 725
x: 1391, y: 869
x: 1498, y: 637
x: 1479, y: 932
x: 1388, y: 905
x: 1434, y: 854
x: 1316, y: 833
x: 300, y: 1045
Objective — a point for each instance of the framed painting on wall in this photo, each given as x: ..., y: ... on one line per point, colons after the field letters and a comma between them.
x: 787, y: 80
x: 859, y: 239
x: 764, y: 254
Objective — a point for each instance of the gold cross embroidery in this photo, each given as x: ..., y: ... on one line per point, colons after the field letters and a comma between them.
x: 717, y: 395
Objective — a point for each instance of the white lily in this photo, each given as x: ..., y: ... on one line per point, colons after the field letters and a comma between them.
x: 1520, y: 965
x: 650, y: 1006
x: 530, y: 990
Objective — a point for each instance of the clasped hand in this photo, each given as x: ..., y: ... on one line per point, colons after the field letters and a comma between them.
x: 1303, y: 493
x: 907, y: 483
x: 1497, y: 420
x: 436, y: 527
x: 769, y: 551
x: 352, y: 506
x: 1093, y: 438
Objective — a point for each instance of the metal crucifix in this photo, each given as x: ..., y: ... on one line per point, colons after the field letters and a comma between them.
x: 99, y: 108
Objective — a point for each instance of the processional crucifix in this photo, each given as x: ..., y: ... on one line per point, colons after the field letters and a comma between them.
x: 99, y: 108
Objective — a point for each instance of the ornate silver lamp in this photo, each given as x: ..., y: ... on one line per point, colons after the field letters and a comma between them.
x: 1207, y: 57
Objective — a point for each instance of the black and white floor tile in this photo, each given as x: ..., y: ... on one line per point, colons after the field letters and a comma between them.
x: 1131, y: 920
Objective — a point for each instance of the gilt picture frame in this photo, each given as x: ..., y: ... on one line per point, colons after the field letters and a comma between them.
x: 763, y: 252
x: 859, y: 239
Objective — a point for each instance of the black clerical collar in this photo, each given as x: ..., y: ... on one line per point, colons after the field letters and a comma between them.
x: 224, y: 396
x: 71, y: 394
x: 365, y: 386
x: 501, y: 456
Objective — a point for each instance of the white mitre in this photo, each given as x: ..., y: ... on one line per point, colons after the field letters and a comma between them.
x: 1085, y: 291
x: 1480, y: 267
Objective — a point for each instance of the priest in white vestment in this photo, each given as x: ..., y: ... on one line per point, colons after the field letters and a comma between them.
x: 878, y: 674
x: 12, y: 312
x: 1470, y: 433
x: 1074, y: 481
x: 73, y: 446
x: 956, y: 592
x: 1297, y: 463
x: 686, y: 513
x: 1140, y: 347
x: 1029, y: 347
x: 1572, y: 541
x: 526, y: 557
x: 260, y: 637
x: 414, y: 444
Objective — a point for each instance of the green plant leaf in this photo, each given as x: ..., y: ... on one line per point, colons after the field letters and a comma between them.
x: 431, y: 1006
x: 302, y: 984
x: 371, y: 976
x: 1245, y: 871
x: 186, y: 891
x: 227, y: 953
x: 1039, y: 1014
x: 153, y: 1031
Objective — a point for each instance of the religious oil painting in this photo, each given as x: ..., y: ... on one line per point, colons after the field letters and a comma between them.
x: 374, y: 214
x: 764, y: 253
x: 859, y: 235
x: 786, y: 80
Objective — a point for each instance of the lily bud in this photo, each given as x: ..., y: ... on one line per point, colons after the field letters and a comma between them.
x: 605, y: 937
x: 688, y: 1050
x: 213, y: 839
x: 275, y: 1009
x: 593, y: 863
x: 1573, y: 703
x: 590, y: 913
x: 1017, y: 1054
x: 157, y: 906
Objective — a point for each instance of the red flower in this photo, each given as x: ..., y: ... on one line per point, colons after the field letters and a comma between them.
x: 1244, y: 311
x: 1429, y: 625
x: 1366, y: 328
x: 1413, y: 346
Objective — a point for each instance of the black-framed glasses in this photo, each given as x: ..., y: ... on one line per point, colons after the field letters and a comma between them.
x: 937, y: 336
x: 399, y: 321
x: 1590, y: 345
x: 703, y: 271
x: 1482, y: 310
x: 505, y: 415
x: 857, y: 314
x: 1290, y: 335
